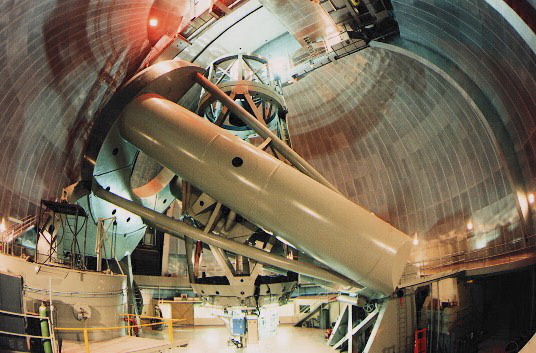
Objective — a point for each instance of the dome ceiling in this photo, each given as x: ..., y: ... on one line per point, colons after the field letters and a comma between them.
x: 396, y: 136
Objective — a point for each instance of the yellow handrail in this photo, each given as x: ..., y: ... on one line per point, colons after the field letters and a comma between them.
x: 85, y: 330
x: 24, y: 315
x: 23, y: 335
x: 103, y: 328
x: 152, y: 317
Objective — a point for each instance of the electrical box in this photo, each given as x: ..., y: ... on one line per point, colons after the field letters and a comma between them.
x: 238, y: 326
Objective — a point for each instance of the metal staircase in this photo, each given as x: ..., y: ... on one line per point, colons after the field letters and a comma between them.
x: 307, y: 316
x: 15, y: 230
x: 322, y: 302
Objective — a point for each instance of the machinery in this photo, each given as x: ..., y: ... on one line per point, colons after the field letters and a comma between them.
x: 248, y: 203
x: 203, y: 154
x: 248, y: 79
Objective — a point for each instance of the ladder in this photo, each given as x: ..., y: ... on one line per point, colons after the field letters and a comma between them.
x: 402, y: 326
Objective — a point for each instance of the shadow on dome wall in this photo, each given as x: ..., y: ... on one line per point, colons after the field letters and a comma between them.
x: 65, y: 60
x: 67, y: 42
x: 347, y: 128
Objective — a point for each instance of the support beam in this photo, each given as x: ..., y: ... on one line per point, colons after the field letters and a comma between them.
x: 384, y: 333
x: 263, y: 131
x: 348, y: 336
x: 180, y: 229
x: 363, y: 325
x: 338, y: 323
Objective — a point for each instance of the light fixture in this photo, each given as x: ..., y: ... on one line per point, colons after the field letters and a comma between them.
x: 469, y: 225
x: 415, y: 240
x: 153, y: 22
x: 3, y: 225
x: 531, y: 199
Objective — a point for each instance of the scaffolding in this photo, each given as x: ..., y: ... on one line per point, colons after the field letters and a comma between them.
x: 54, y: 224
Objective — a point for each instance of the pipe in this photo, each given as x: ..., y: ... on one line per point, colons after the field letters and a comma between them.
x: 263, y: 131
x: 431, y: 320
x: 178, y: 228
x: 229, y: 221
x: 438, y: 318
x: 308, y: 281
x: 358, y: 301
x: 189, y: 245
x: 269, y: 193
x: 43, y: 312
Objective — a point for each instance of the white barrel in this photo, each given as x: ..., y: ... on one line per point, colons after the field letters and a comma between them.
x: 332, y: 229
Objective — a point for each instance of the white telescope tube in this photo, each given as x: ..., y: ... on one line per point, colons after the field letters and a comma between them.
x: 178, y: 228
x: 268, y: 192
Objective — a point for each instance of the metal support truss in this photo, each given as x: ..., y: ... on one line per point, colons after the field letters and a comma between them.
x: 381, y: 338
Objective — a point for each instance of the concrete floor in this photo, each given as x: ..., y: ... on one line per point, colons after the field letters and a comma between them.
x: 211, y: 339
x: 125, y: 344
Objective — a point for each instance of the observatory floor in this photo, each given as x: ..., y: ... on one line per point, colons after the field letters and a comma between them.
x: 213, y: 339
x: 123, y: 344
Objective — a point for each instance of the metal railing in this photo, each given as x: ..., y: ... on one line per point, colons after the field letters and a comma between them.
x: 86, y: 330
x: 12, y: 232
x: 52, y: 337
x: 505, y: 252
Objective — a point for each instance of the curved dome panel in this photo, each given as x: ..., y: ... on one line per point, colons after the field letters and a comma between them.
x: 400, y: 140
x: 487, y: 48
x: 60, y: 60
x: 396, y: 137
